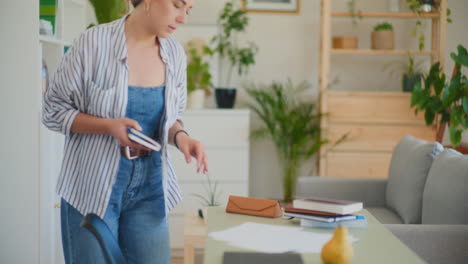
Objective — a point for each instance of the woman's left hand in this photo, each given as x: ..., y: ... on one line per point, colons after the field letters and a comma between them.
x: 193, y: 148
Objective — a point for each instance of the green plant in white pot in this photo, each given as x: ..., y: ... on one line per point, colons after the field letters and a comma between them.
x: 233, y: 58
x: 383, y: 37
x: 291, y: 122
x: 198, y: 73
x: 210, y: 196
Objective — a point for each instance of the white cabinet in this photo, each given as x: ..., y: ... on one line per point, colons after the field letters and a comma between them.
x: 70, y: 22
x: 225, y: 135
x: 30, y: 156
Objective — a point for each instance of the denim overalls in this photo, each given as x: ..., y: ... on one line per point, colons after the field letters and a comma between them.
x: 136, y: 211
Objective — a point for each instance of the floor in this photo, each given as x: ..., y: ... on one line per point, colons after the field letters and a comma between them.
x: 177, y: 257
x: 177, y: 260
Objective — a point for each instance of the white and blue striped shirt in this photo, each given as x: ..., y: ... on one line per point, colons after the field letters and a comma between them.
x: 93, y: 78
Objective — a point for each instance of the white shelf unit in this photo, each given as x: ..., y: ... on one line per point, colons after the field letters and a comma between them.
x: 70, y: 22
x: 225, y: 135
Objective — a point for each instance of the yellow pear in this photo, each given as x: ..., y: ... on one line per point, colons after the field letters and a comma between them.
x: 338, y: 250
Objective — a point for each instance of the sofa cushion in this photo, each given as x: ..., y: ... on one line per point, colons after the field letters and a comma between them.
x: 446, y: 193
x: 438, y: 244
x: 411, y: 160
x: 385, y: 215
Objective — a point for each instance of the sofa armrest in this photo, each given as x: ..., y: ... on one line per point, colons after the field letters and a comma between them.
x: 435, y: 243
x: 369, y: 191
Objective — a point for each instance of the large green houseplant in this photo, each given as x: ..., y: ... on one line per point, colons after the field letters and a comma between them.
x: 292, y: 124
x: 445, y: 100
x: 232, y: 55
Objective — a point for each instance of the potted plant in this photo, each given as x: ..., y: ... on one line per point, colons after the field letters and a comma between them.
x: 424, y: 6
x: 445, y: 100
x: 383, y: 36
x: 233, y: 21
x: 348, y: 42
x: 292, y: 124
x: 210, y: 197
x: 411, y: 76
x: 198, y: 73
x: 409, y: 72
x: 108, y: 10
x: 421, y: 5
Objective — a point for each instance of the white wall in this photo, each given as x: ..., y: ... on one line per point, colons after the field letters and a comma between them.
x: 19, y: 140
x: 289, y: 48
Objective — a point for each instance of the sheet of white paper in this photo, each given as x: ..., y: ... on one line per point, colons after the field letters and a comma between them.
x: 273, y: 238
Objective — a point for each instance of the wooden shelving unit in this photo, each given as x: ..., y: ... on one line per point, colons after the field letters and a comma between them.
x: 374, y: 121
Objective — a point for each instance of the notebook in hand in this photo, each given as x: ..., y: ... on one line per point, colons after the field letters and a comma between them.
x: 143, y: 139
x: 328, y: 205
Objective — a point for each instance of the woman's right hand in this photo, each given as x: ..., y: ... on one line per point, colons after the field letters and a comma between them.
x: 118, y: 129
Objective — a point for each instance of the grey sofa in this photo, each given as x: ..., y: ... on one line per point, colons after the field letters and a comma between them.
x: 424, y: 201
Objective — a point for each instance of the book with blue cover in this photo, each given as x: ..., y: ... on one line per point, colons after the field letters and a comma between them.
x: 359, y: 222
x: 326, y: 219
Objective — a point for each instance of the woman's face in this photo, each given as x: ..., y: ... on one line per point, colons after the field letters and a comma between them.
x: 165, y: 16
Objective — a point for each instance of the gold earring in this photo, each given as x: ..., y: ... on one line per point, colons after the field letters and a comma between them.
x: 147, y: 8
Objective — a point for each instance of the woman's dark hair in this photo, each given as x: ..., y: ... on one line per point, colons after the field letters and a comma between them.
x: 135, y: 3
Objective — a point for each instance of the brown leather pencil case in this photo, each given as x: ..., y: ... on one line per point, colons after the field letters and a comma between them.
x: 253, y: 206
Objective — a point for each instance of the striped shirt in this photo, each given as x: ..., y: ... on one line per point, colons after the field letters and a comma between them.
x: 92, y: 78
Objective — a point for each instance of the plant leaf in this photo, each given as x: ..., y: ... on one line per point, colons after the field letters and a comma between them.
x: 417, y: 94
x: 465, y: 104
x: 455, y: 135
x: 429, y: 116
x: 445, y: 117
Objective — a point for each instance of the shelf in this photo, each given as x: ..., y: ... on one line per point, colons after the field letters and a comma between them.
x: 387, y: 14
x: 381, y: 52
x: 50, y: 40
x: 384, y: 94
x: 76, y: 3
x: 377, y: 122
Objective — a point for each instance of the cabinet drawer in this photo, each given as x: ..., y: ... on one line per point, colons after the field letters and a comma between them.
x: 224, y: 164
x: 375, y: 137
x: 190, y: 203
x: 358, y: 165
x: 372, y: 107
x: 219, y: 128
x: 176, y: 231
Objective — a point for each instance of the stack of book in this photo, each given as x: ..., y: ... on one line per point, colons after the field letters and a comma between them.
x: 326, y: 213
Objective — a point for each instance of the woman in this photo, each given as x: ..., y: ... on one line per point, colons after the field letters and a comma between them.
x: 126, y: 74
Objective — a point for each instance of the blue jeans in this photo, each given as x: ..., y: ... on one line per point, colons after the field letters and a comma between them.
x: 135, y: 215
